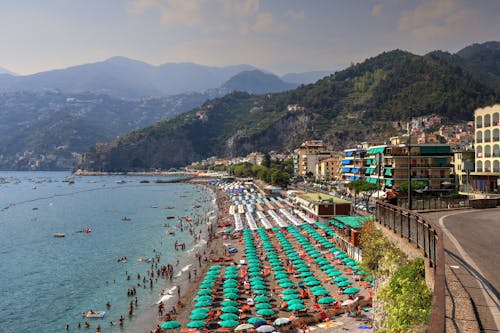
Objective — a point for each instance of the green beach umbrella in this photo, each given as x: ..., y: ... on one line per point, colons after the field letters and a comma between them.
x: 339, y: 278
x: 312, y: 283
x: 310, y: 278
x: 229, y: 323
x: 290, y: 297
x: 203, y: 298
x: 261, y: 292
x: 286, y: 285
x: 290, y: 291
x: 326, y: 300
x: 261, y: 299
x: 295, y: 301
x: 341, y: 255
x: 229, y: 316
x: 306, y: 274
x: 204, y: 292
x: 303, y: 269
x: 265, y: 312
x: 263, y: 306
x: 351, y: 291
x: 202, y: 304
x: 230, y: 303
x: 168, y: 325
x: 196, y: 324
x: 201, y: 310
x: 280, y: 275
x: 253, y: 320
x: 296, y: 306
x: 198, y: 316
x: 232, y: 296
x: 321, y: 292
x: 356, y: 268
x: 229, y: 309
x: 333, y: 273
x: 209, y: 286
x: 315, y: 288
x: 231, y: 290
x: 344, y: 283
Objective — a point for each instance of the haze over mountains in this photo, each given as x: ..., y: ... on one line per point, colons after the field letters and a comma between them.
x: 126, y: 78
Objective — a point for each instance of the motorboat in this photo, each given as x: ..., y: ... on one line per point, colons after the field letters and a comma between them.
x: 126, y: 218
x: 59, y: 234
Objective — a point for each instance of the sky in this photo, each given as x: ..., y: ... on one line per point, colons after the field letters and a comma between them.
x: 281, y: 36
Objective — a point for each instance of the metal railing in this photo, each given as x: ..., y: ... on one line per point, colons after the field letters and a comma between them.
x: 433, y: 203
x: 427, y: 237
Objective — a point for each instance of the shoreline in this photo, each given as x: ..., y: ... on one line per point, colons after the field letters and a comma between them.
x: 147, y: 319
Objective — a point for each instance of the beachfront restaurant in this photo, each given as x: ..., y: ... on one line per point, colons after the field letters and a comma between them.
x: 322, y: 207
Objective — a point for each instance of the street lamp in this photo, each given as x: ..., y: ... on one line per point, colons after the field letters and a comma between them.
x: 409, y: 164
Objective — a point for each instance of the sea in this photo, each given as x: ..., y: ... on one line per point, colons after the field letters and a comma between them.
x: 46, y: 282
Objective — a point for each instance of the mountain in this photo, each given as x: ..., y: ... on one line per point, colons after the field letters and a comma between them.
x: 6, y: 71
x: 257, y: 82
x: 125, y: 78
x: 482, y: 61
x: 305, y: 77
x: 356, y: 104
x: 47, y: 130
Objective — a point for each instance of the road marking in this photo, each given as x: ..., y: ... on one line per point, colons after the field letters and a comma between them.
x: 494, y: 310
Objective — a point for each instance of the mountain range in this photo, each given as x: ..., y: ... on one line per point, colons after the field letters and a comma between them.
x: 357, y: 104
x: 131, y: 79
x: 6, y: 71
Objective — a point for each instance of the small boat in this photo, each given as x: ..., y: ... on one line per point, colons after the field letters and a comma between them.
x: 196, y: 206
x: 95, y: 314
x: 144, y: 181
x: 170, y: 217
x: 154, y: 206
x: 169, y: 232
x: 59, y: 234
x: 146, y: 260
x: 122, y: 260
x: 120, y: 182
x: 86, y: 230
x: 169, y: 207
x: 126, y: 218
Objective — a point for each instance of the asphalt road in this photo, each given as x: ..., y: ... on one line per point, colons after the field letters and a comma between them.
x: 472, y: 246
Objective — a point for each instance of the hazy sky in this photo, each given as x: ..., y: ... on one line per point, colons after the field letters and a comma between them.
x: 278, y: 35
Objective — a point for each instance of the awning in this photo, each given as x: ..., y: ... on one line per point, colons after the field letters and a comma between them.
x: 388, y: 182
x: 351, y: 177
x: 435, y: 150
x: 388, y: 172
x: 376, y: 150
x: 346, y: 169
x: 355, y: 170
x: 349, y: 153
x: 369, y: 171
x: 346, y: 162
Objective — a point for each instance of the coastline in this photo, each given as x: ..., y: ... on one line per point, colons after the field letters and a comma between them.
x: 148, y: 319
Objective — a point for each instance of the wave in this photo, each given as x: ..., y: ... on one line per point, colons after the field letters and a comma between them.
x: 184, y: 269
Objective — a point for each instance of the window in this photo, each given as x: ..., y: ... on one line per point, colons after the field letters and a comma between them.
x: 479, y: 137
x: 496, y: 151
x: 487, y: 120
x: 487, y: 151
x: 496, y: 121
x: 487, y: 136
x: 487, y: 166
x: 496, y: 135
x: 479, y: 122
x: 479, y: 166
x: 496, y: 166
x: 479, y: 151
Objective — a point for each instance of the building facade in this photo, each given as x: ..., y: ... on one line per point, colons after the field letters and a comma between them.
x: 305, y: 157
x: 486, y: 177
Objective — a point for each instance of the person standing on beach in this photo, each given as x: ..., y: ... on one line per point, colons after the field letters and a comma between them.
x: 179, y: 291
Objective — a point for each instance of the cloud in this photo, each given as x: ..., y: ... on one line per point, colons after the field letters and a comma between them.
x: 436, y: 19
x: 377, y: 9
x: 242, y: 16
x: 297, y: 16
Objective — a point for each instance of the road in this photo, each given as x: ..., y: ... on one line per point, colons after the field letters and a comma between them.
x: 472, y: 247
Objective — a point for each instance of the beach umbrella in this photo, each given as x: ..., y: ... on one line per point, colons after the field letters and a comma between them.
x: 351, y: 291
x: 204, y: 292
x: 297, y: 306
x: 196, y: 324
x: 356, y: 267
x: 305, y: 274
x: 303, y: 269
x: 232, y: 296
x: 230, y: 283
x: 261, y: 292
x: 339, y: 278
x: 315, y: 288
x: 231, y: 290
x: 253, y: 320
x: 230, y: 303
x: 215, y: 268
x: 333, y: 273
x: 280, y: 275
x: 203, y: 298
x: 341, y: 255
x: 259, y: 287
x: 326, y: 300
x: 261, y: 299
x: 327, y: 267
x: 200, y: 310
x: 321, y: 292
x: 202, y: 304
x: 206, y: 285
x: 243, y: 327
x: 312, y: 283
x: 254, y: 274
x: 322, y: 261
x: 260, y: 306
x: 228, y: 316
x: 229, y: 323
x: 257, y: 278
x: 344, y: 283
x: 265, y: 312
x: 254, y: 269
x: 310, y: 278
x: 265, y: 329
x: 290, y: 291
x: 198, y: 316
x: 295, y: 301
x: 282, y: 280
x: 229, y: 309
x: 168, y: 325
x: 286, y: 284
x: 290, y: 297
x: 278, y: 268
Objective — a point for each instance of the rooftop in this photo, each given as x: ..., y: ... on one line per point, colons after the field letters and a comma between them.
x: 355, y: 222
x: 319, y: 198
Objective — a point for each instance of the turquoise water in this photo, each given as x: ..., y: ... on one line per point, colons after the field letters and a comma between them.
x: 47, y: 282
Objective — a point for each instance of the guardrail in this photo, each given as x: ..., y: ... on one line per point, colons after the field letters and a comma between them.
x: 429, y: 238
